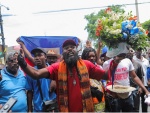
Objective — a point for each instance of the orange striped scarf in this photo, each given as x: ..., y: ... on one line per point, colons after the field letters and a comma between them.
x: 84, y: 84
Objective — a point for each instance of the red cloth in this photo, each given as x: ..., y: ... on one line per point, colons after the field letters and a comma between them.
x: 29, y: 62
x: 112, y: 66
x: 74, y: 92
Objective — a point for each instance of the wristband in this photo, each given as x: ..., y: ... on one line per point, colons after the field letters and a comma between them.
x: 22, y: 62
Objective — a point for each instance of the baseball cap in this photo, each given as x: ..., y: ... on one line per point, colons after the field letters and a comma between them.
x: 104, y: 51
x: 69, y: 42
x: 38, y: 49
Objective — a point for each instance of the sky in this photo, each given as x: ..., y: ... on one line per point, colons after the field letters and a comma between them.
x: 30, y: 20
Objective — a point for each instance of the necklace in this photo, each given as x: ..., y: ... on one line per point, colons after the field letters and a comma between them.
x: 74, y: 82
x: 71, y: 74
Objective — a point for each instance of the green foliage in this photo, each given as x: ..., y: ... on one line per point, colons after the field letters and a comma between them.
x: 146, y: 25
x: 92, y: 19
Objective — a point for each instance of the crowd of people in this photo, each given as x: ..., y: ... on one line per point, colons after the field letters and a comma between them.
x: 43, y: 81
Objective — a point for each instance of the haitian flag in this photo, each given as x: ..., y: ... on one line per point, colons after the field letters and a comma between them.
x: 32, y: 42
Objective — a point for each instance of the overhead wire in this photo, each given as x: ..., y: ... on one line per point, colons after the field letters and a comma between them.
x: 75, y: 9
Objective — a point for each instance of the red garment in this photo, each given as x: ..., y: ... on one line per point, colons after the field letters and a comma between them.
x: 74, y: 94
x: 112, y: 67
x: 74, y: 98
x: 29, y: 62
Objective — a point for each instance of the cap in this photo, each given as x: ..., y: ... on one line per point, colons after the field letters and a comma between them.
x: 38, y: 49
x: 52, y: 53
x: 69, y: 42
x: 104, y: 49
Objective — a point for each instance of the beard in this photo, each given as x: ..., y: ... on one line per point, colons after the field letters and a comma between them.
x: 70, y: 61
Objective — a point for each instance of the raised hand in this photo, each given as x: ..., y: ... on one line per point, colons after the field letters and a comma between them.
x: 100, y: 44
x: 88, y: 43
x: 19, y: 41
x: 21, y: 60
x: 22, y: 52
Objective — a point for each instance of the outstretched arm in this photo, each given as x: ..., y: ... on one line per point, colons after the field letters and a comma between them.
x: 138, y: 81
x: 95, y: 72
x: 36, y: 73
x: 31, y: 71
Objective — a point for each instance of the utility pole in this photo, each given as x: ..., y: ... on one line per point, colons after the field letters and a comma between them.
x: 137, y: 10
x: 2, y: 32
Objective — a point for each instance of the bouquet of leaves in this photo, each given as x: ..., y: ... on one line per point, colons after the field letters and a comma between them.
x: 114, y: 28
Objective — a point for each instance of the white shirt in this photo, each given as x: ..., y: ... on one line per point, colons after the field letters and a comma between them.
x: 145, y: 63
x: 121, y: 76
x: 106, y: 64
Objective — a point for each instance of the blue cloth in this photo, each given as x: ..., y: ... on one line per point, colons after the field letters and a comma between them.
x: 148, y: 73
x: 104, y: 49
x: 37, y: 100
x: 13, y: 86
x: 32, y: 42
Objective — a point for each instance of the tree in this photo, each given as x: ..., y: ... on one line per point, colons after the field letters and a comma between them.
x: 146, y: 25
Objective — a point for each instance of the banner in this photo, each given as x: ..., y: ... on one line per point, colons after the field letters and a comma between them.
x: 55, y: 42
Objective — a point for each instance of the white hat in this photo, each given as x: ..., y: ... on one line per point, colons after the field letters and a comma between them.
x: 122, y: 48
x: 122, y: 91
x: 120, y: 88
